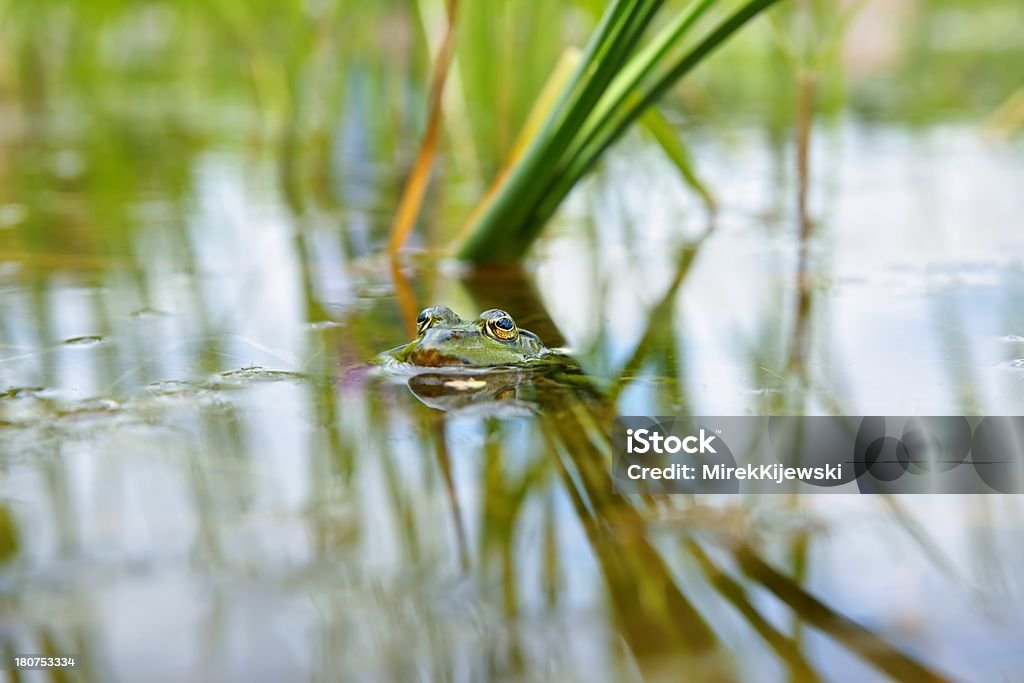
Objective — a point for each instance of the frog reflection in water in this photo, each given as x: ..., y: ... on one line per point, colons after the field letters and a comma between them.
x: 493, y: 339
x: 456, y: 363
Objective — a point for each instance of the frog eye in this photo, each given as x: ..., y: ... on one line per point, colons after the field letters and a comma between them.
x: 434, y: 315
x: 501, y: 326
x: 423, y: 320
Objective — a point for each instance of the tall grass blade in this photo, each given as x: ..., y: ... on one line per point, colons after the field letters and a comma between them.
x: 612, y: 94
x: 416, y: 186
x: 567, y: 64
x: 619, y: 29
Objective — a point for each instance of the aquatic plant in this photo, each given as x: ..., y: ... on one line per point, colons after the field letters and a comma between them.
x: 612, y: 86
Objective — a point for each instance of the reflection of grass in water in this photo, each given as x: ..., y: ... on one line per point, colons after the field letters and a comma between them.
x: 652, y: 607
x: 435, y: 526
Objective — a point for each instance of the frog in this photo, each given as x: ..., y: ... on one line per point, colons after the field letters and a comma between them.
x: 492, y: 339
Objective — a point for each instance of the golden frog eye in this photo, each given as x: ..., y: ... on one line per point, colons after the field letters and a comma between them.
x: 501, y: 326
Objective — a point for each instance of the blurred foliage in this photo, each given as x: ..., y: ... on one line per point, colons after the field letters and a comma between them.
x: 108, y: 99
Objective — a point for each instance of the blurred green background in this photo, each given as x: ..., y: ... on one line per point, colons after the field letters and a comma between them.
x: 203, y: 477
x: 106, y: 98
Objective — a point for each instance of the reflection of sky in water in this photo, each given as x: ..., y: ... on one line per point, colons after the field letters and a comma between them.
x: 226, y: 514
x: 922, y: 266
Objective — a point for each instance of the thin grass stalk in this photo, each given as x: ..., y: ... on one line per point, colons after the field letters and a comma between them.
x: 655, y: 122
x: 416, y: 186
x: 536, y: 117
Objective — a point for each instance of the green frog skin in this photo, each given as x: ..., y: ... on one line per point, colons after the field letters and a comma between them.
x: 492, y: 339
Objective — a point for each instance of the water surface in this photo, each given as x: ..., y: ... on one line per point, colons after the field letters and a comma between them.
x: 203, y: 477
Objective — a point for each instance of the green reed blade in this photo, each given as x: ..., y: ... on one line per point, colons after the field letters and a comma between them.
x: 509, y: 205
x: 632, y: 108
x: 608, y: 92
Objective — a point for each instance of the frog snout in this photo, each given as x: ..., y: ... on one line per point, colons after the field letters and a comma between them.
x: 444, y: 336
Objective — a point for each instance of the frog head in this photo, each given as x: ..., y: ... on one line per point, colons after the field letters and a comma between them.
x: 491, y: 339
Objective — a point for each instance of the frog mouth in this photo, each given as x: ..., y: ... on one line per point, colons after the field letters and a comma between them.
x: 433, y: 357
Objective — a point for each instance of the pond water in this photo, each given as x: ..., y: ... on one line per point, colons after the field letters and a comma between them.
x: 202, y: 476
